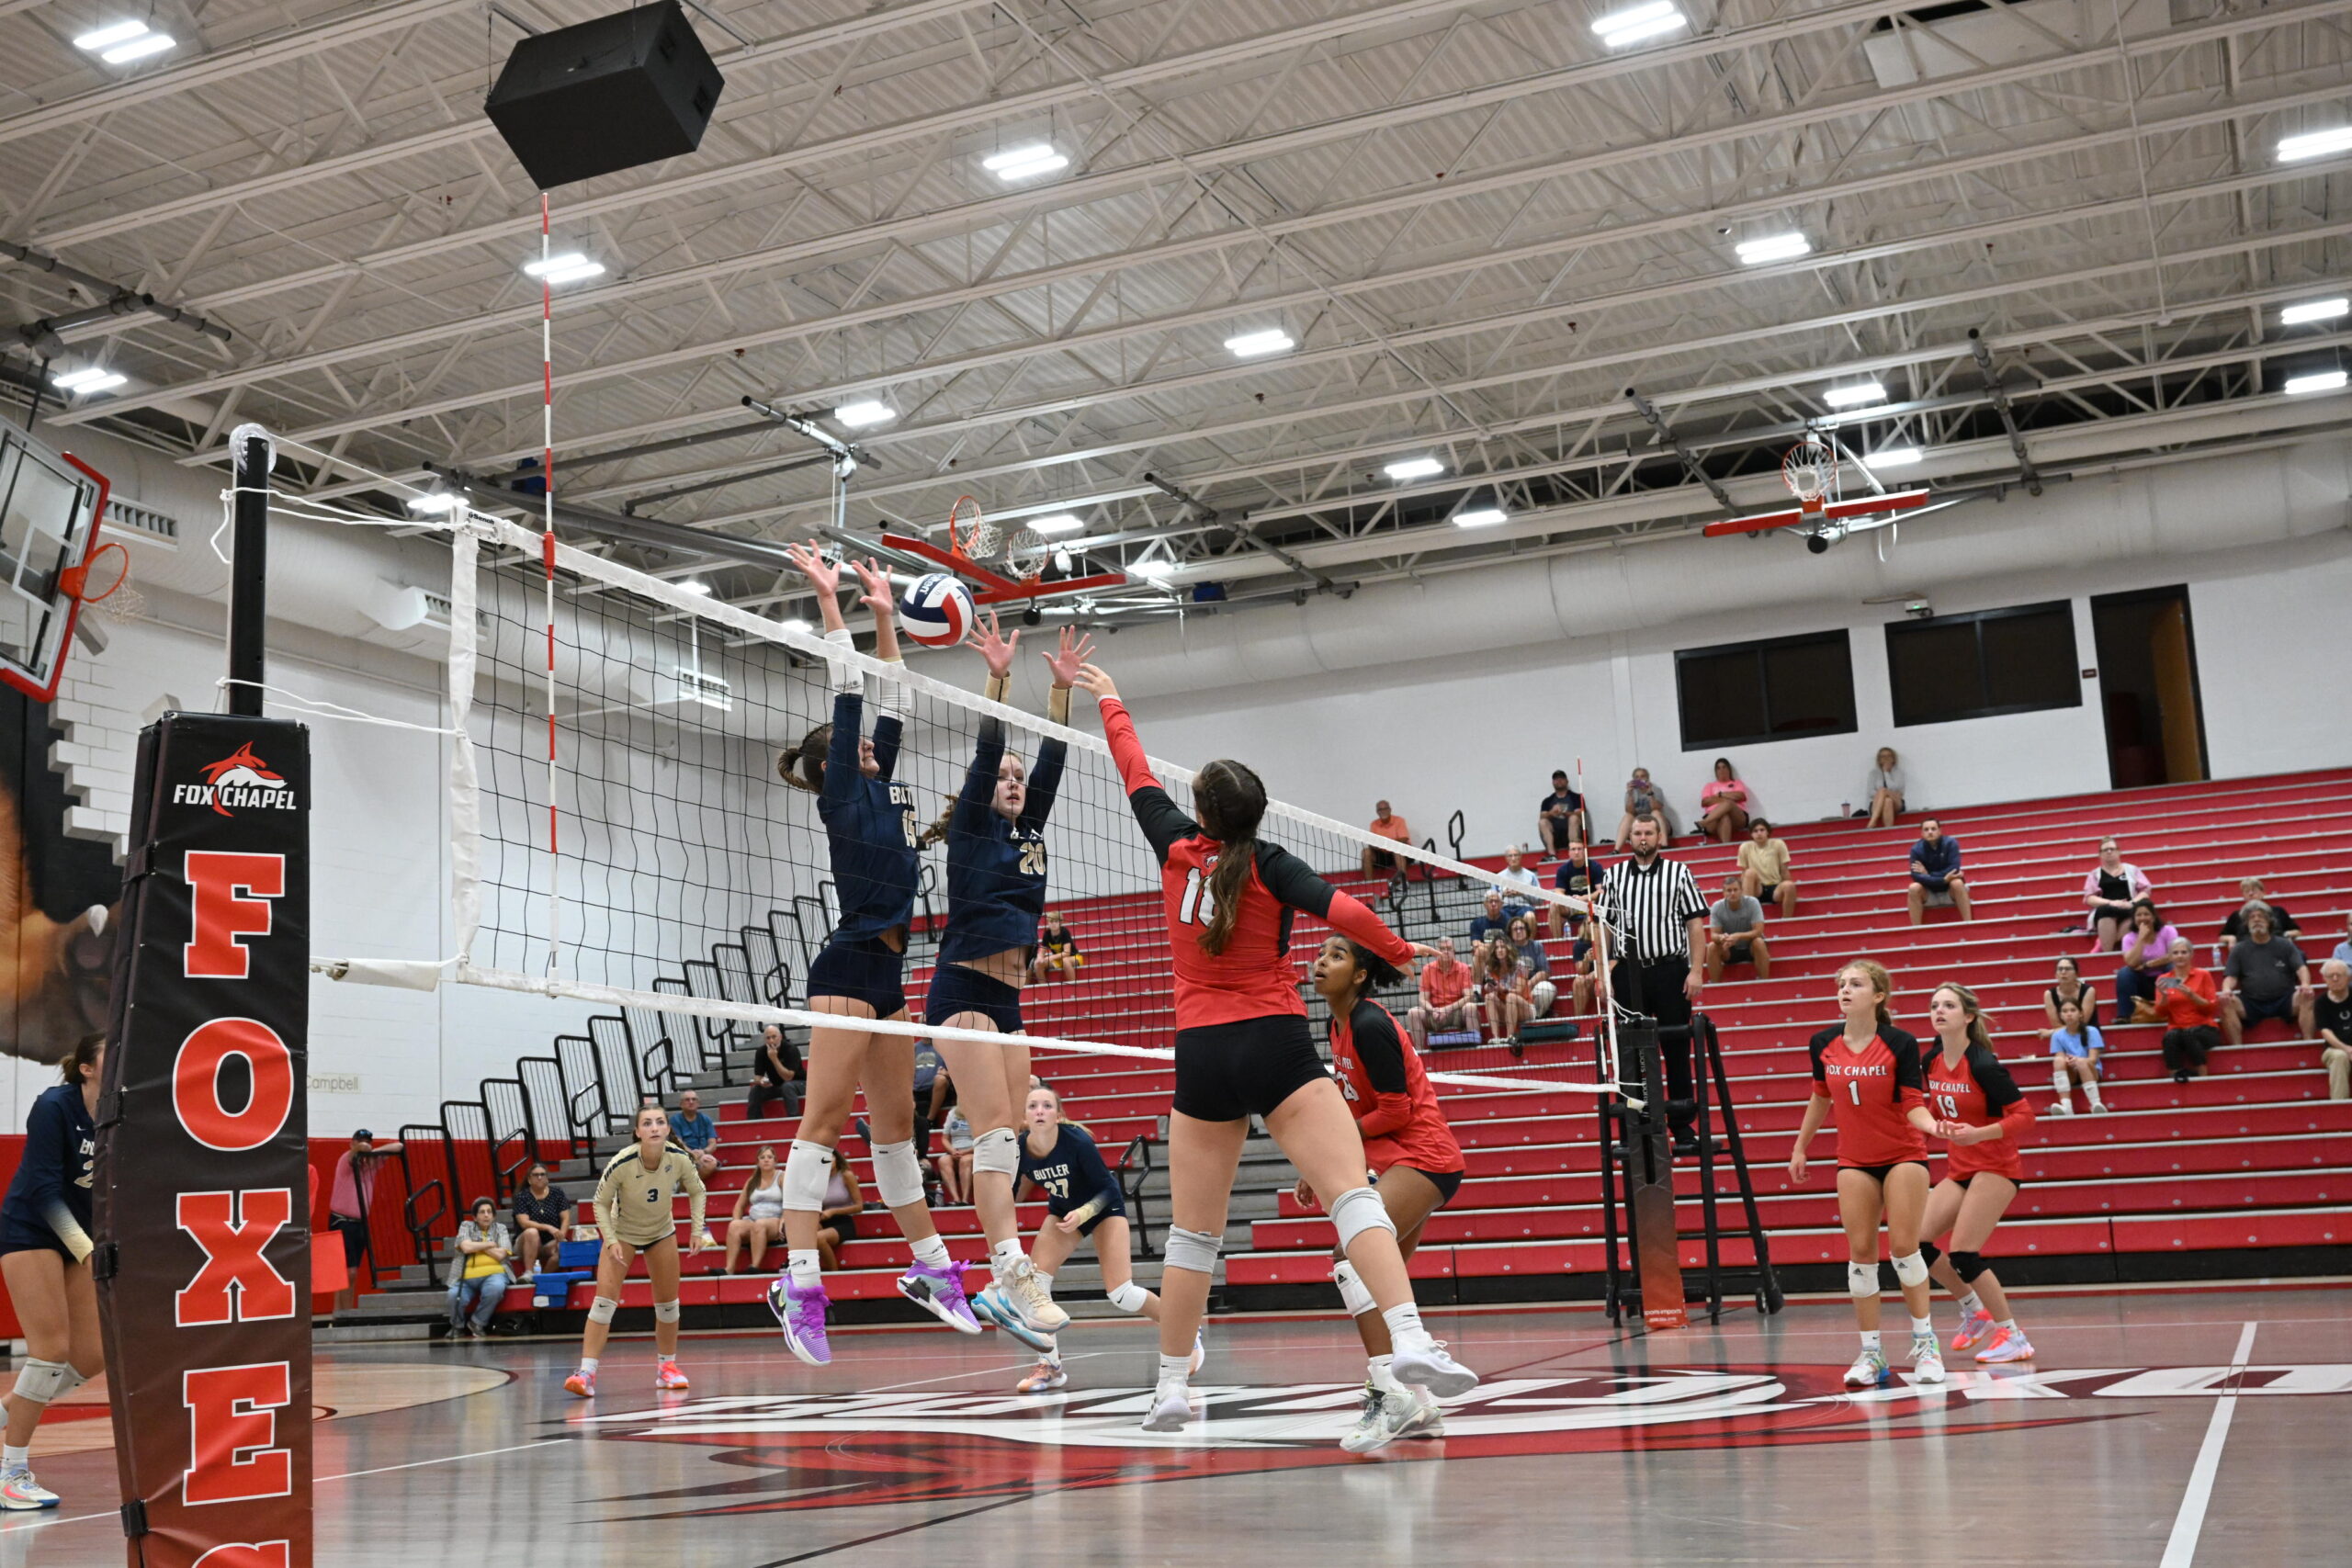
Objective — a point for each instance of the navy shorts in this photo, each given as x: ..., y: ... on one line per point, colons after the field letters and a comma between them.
x: 1228, y: 1071
x: 1115, y: 1210
x: 2281, y: 1007
x: 866, y: 971
x: 21, y: 1235
x: 957, y: 987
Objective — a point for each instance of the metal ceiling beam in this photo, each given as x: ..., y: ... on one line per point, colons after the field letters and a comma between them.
x: 1691, y: 466
x: 1999, y: 397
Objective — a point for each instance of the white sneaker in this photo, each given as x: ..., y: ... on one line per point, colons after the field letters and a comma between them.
x: 1171, y: 1408
x: 2100, y: 1108
x: 1927, y: 1359
x: 2063, y: 1107
x: 19, y: 1493
x: 1869, y: 1371
x: 1019, y: 1289
x: 1427, y: 1418
x: 1380, y: 1422
x: 1423, y: 1364
x: 1047, y: 1376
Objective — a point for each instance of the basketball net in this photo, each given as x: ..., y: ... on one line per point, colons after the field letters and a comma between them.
x: 1810, y: 470
x: 970, y: 536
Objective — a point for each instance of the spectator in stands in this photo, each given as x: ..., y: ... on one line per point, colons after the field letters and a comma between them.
x: 2068, y: 987
x: 2254, y: 896
x: 1385, y: 824
x: 1502, y: 991
x: 2108, y: 892
x: 2342, y: 954
x: 1057, y: 951
x: 776, y: 1068
x: 478, y: 1272
x: 1883, y: 787
x: 1764, y: 869
x: 1560, y: 817
x: 758, y: 1219
x: 1935, y: 872
x: 542, y: 1214
x: 348, y: 1199
x: 1642, y: 798
x: 955, y: 1161
x: 1535, y: 966
x: 1723, y: 805
x: 694, y: 1133
x: 1445, y: 1006
x: 1736, y: 932
x: 2147, y: 953
x: 2074, y: 1053
x: 837, y: 1221
x: 1518, y: 881
x: 1491, y: 923
x: 2265, y: 977
x: 1577, y: 878
x: 2332, y: 1024
x: 2189, y: 1002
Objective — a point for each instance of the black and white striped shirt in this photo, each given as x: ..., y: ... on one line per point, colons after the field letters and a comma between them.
x: 1649, y: 908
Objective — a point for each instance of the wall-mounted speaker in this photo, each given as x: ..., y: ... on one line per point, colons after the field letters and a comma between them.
x: 623, y: 90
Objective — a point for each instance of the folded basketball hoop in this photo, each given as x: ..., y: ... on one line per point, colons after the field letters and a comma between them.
x: 1811, y: 469
x: 50, y: 506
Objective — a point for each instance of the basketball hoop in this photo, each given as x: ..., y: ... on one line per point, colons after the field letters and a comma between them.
x: 979, y: 539
x: 1026, y: 553
x: 74, y: 580
x: 1810, y: 470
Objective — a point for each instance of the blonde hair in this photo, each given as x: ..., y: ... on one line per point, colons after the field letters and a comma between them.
x: 1881, y: 982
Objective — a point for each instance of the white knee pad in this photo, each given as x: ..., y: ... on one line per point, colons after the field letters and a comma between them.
x: 665, y: 1311
x: 1911, y: 1268
x: 602, y: 1309
x: 1193, y: 1250
x: 1129, y: 1297
x: 998, y: 1149
x: 898, y: 1175
x: 1352, y: 1295
x: 1358, y: 1210
x: 1861, y: 1280
x: 806, y: 1169
x: 41, y: 1382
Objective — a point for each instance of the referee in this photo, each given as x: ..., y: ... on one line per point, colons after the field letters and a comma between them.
x: 1661, y: 920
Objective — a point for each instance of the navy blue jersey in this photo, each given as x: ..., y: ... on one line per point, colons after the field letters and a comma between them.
x: 50, y: 1192
x: 996, y: 869
x: 1072, y: 1175
x: 869, y: 826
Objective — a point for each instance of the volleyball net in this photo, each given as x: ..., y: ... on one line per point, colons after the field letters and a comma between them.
x: 621, y: 835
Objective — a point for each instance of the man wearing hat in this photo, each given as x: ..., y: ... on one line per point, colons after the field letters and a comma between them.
x: 354, y: 1189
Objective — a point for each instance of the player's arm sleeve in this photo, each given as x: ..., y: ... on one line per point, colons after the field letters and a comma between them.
x: 1814, y: 1048
x: 47, y: 1141
x: 1161, y: 822
x: 842, y: 772
x: 1089, y: 1161
x: 1045, y: 780
x: 1382, y: 1055
x: 978, y: 793
x: 1294, y: 882
x: 888, y: 731
x: 1910, y: 1076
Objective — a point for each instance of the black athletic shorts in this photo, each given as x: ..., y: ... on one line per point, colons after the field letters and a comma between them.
x: 842, y: 1226
x: 1962, y: 1182
x: 1447, y: 1182
x: 1227, y: 1071
x: 1878, y: 1173
x: 957, y: 987
x: 355, y: 1238
x: 866, y: 971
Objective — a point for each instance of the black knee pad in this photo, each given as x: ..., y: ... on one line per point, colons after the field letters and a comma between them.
x: 1929, y: 1252
x: 1968, y: 1265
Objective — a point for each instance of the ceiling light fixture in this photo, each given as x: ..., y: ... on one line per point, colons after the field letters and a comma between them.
x: 1772, y: 248
x: 2314, y: 310
x: 1858, y: 392
x: 1024, y: 163
x: 1250, y: 345
x: 1154, y: 569
x: 1621, y: 27
x: 140, y: 47
x: 798, y: 624
x: 1480, y: 517
x: 1893, y: 457
x: 108, y: 36
x: 434, y: 501
x: 1414, y: 469
x: 2315, y: 381
x: 2316, y: 144
x: 1058, y: 523
x: 865, y: 412
x: 570, y: 267
x: 695, y: 585
x: 92, y: 378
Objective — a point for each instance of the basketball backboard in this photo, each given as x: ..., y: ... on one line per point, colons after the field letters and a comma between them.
x: 50, y: 507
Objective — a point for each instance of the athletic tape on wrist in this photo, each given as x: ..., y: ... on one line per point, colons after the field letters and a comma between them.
x: 1358, y: 1210
x: 998, y: 1149
x: 898, y: 1175
x: 806, y: 1169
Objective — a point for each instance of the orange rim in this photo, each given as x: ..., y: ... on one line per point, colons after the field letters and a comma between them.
x: 75, y: 579
x: 972, y: 527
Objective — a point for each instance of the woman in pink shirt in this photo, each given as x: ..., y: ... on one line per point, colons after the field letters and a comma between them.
x: 1723, y: 805
x: 2113, y: 885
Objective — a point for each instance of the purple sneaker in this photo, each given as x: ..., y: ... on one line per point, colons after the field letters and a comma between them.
x: 940, y: 1292
x: 801, y: 1314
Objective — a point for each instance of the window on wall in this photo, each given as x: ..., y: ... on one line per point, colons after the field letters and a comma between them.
x: 1778, y: 690
x: 1995, y: 661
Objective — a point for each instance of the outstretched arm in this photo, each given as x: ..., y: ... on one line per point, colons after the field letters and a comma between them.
x: 1294, y: 882
x: 1163, y: 825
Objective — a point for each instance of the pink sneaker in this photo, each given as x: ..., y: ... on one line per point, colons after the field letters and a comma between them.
x: 667, y: 1375
x: 582, y: 1383
x: 2008, y: 1345
x: 1975, y: 1328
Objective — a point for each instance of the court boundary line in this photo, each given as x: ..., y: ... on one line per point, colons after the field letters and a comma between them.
x: 2180, y: 1550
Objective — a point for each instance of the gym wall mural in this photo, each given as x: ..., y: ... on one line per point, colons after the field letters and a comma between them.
x: 58, y: 896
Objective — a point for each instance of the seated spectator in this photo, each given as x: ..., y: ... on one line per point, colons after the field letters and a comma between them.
x: 1764, y: 868
x: 2068, y: 987
x: 1518, y: 880
x: 478, y: 1273
x: 542, y: 1215
x: 1560, y: 818
x: 694, y: 1133
x: 1724, y: 804
x: 2250, y: 890
x: 758, y: 1219
x: 1935, y: 872
x: 2332, y: 1024
x: 1490, y: 923
x: 2147, y: 953
x: 1057, y: 951
x: 837, y: 1221
x: 1642, y: 798
x: 776, y: 1069
x: 955, y: 1161
x: 2075, y: 1051
x: 1386, y: 825
x: 2108, y: 892
x: 1578, y: 878
x: 1883, y: 787
x: 1535, y: 966
x: 1444, y: 1005
x: 1736, y: 932
x: 2265, y: 977
x: 1503, y: 992
x: 2342, y: 954
x: 2189, y: 1001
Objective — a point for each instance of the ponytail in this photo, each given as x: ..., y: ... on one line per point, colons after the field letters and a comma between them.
x: 1880, y: 982
x: 1978, y: 1035
x: 803, y: 766
x: 85, y: 1051
x: 937, y: 832
x: 1231, y: 801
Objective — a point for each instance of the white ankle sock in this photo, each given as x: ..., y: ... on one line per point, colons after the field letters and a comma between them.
x: 801, y: 1264
x: 1404, y: 1320
x: 932, y: 1251
x: 15, y: 1458
x: 1972, y: 1304
x: 1175, y: 1369
x: 1380, y: 1377
x: 1923, y: 1326
x: 2007, y: 1325
x: 1004, y: 1255
x: 1870, y: 1340
x: 588, y: 1365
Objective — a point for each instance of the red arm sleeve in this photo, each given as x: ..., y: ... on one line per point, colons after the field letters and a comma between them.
x: 1351, y: 918
x: 1387, y: 1113
x: 1126, y: 750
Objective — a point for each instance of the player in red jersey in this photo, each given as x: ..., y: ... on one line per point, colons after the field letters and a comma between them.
x: 1243, y: 1050
x: 1980, y: 1111
x: 1413, y: 1156
x: 1866, y: 1074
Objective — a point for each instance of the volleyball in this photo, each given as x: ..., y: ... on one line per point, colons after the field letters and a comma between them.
x: 937, y: 610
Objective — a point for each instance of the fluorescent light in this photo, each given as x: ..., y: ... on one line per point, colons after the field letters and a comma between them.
x: 1413, y: 468
x: 798, y: 624
x: 1893, y: 458
x: 2314, y: 310
x: 570, y: 267
x: 695, y: 585
x: 1859, y: 392
x: 1024, y: 163
x: 2316, y: 144
x: 1480, y: 517
x: 95, y: 378
x: 138, y: 48
x: 1772, y: 248
x: 1059, y: 523
x: 434, y: 501
x: 865, y: 412
x: 1638, y: 23
x: 2315, y: 381
x: 111, y: 34
x: 1249, y: 345
x: 1153, y: 568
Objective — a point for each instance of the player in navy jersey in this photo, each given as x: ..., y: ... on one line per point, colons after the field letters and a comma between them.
x: 45, y: 1245
x: 1243, y: 1050
x: 996, y: 894
x: 1867, y: 1075
x: 870, y: 831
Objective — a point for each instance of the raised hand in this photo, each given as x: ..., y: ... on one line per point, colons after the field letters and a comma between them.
x: 877, y: 584
x: 823, y: 576
x: 1093, y: 679
x: 1065, y: 660
x: 995, y: 646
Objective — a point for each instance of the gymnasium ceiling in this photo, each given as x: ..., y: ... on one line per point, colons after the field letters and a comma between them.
x: 1481, y: 225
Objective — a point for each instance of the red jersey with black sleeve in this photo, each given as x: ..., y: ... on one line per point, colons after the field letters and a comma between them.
x: 1978, y: 1090
x: 1395, y: 1107
x: 1254, y: 977
x: 1870, y: 1092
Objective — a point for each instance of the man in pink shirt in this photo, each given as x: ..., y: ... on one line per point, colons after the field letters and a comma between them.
x: 347, y: 1200
x: 1445, y: 991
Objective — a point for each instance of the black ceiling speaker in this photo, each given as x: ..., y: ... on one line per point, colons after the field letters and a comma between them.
x: 612, y: 94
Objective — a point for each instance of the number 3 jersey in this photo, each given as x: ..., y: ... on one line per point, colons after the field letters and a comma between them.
x: 1254, y: 977
x: 1395, y: 1106
x: 1978, y: 1090
x: 637, y: 1202
x: 1870, y: 1093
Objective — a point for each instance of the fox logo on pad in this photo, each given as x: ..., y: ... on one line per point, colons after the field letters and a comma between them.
x: 237, y: 781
